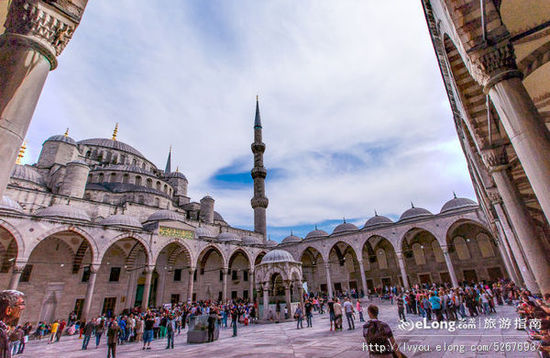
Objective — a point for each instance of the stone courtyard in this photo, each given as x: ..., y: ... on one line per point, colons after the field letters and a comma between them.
x: 284, y: 340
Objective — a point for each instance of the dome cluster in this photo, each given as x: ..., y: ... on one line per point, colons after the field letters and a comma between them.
x: 63, y: 212
x: 277, y: 256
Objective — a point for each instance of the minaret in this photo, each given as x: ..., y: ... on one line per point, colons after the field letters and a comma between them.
x: 169, y: 162
x: 259, y: 201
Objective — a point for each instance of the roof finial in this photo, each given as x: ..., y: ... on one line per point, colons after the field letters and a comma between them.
x: 66, y: 133
x: 177, y: 169
x: 412, y: 205
x: 257, y: 119
x: 344, y: 219
x: 316, y: 227
x: 21, y: 153
x: 375, y: 212
x: 115, y: 132
x: 168, y: 168
x: 291, y: 234
x: 454, y: 194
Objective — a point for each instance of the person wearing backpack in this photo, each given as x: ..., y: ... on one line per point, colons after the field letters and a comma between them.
x: 379, y: 337
x: 170, y: 330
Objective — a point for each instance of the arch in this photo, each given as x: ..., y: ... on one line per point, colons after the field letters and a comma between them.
x: 461, y: 248
x: 485, y: 247
x: 410, y: 234
x: 418, y: 253
x: 63, y: 228
x: 382, y: 259
x: 438, y: 252
x: 178, y: 247
x: 203, y: 256
x: 259, y: 257
x: 234, y: 255
x: 12, y: 230
x: 147, y: 249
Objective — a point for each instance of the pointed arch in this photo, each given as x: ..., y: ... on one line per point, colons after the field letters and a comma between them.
x: 206, y: 252
x: 138, y: 238
x: 14, y: 232
x: 66, y: 228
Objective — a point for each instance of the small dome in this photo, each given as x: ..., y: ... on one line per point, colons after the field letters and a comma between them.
x: 122, y: 220
x: 177, y: 175
x: 228, y: 237
x: 208, y: 197
x: 203, y: 231
x: 315, y: 234
x: 61, y: 138
x: 8, y: 204
x: 251, y: 240
x: 165, y: 215
x: 414, y: 213
x: 458, y: 203
x: 291, y: 238
x: 63, y: 212
x: 378, y: 220
x: 345, y: 227
x: 27, y: 173
x: 218, y: 217
x: 277, y: 256
x: 271, y: 243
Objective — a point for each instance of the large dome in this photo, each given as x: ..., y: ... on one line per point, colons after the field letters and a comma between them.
x: 291, y: 238
x: 27, y: 173
x: 228, y: 237
x: 8, y: 204
x: 122, y: 220
x: 165, y: 215
x: 458, y: 203
x: 378, y: 220
x: 414, y: 213
x: 277, y: 256
x: 315, y: 234
x: 63, y: 212
x: 271, y: 243
x: 112, y: 144
x: 344, y: 227
x: 61, y: 138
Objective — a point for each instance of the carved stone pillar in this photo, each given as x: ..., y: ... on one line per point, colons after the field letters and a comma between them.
x: 505, y: 252
x: 363, y: 278
x: 251, y: 285
x: 530, y: 241
x: 16, y: 272
x: 519, y: 116
x: 190, y: 284
x: 36, y: 33
x: 450, y: 266
x: 225, y: 272
x: 89, y: 291
x: 329, y: 281
x: 512, y: 239
x: 399, y: 255
x: 287, y: 297
x: 147, y: 287
x: 265, y: 288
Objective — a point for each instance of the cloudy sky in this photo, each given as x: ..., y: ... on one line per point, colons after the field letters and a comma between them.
x: 354, y: 112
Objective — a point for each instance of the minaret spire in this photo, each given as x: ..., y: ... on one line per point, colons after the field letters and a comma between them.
x: 169, y: 162
x: 259, y: 201
x: 21, y: 153
x: 115, y: 132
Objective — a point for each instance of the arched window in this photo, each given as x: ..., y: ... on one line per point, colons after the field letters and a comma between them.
x: 143, y: 166
x: 382, y: 259
x: 438, y: 253
x: 157, y: 202
x: 134, y: 161
x: 166, y: 188
x: 90, y: 178
x: 461, y: 247
x: 158, y: 185
x: 123, y: 159
x: 350, y: 267
x: 418, y: 253
x: 485, y: 245
x: 140, y: 199
x: 106, y: 198
x: 138, y: 180
x: 126, y: 178
x: 88, y: 154
x: 113, y: 178
x: 101, y: 178
x: 149, y: 183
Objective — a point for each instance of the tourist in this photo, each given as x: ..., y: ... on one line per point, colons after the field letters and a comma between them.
x: 27, y: 328
x: 15, y: 339
x: 359, y: 309
x: 234, y: 319
x: 331, y: 314
x: 309, y: 314
x: 88, y: 330
x: 299, y: 316
x: 379, y: 337
x: 348, y: 308
x: 99, y: 330
x: 139, y: 329
x: 337, y: 314
x: 170, y: 331
x: 212, y: 319
x: 435, y: 303
x: 401, y: 308
x: 53, y: 331
x: 148, y: 331
x: 113, y: 334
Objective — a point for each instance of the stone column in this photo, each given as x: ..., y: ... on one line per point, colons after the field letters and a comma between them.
x: 225, y: 271
x: 287, y: 298
x: 399, y: 255
x: 511, y: 238
x: 251, y: 285
x: 301, y: 292
x: 530, y: 241
x: 190, y: 284
x: 37, y: 31
x: 506, y: 234
x: 329, y: 281
x: 450, y: 266
x: 363, y: 278
x: 89, y: 292
x: 265, y: 288
x: 16, y: 272
x: 519, y: 117
x: 147, y: 287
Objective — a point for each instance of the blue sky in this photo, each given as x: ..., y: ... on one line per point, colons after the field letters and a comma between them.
x: 353, y: 107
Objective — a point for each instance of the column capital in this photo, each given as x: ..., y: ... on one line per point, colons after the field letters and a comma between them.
x: 494, y: 196
x: 148, y: 269
x: 18, y: 268
x: 445, y: 249
x: 192, y: 269
x: 496, y: 63
x: 45, y: 25
x: 94, y: 268
x: 495, y: 159
x: 399, y: 255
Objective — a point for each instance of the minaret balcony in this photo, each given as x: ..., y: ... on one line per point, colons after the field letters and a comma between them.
x: 259, y: 202
x: 258, y: 172
x: 258, y: 147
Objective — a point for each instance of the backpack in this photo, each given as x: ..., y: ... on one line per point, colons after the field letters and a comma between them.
x: 375, y: 334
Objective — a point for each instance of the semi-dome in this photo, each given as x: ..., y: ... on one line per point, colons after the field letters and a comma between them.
x: 8, y: 204
x: 27, y: 173
x: 165, y: 215
x: 271, y: 243
x: 277, y: 256
x: 218, y: 217
x: 63, y: 212
x: 378, y: 220
x: 291, y: 238
x: 122, y: 220
x: 112, y: 144
x: 458, y: 203
x: 344, y: 227
x: 251, y: 240
x: 203, y: 231
x: 61, y: 138
x: 228, y: 237
x: 315, y: 234
x: 178, y: 175
x: 414, y: 213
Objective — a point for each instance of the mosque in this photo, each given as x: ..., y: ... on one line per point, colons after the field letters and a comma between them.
x: 95, y: 227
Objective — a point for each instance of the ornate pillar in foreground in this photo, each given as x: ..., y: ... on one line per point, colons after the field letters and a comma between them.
x: 147, y: 287
x: 36, y: 33
x: 287, y: 298
x: 530, y: 241
x: 450, y: 266
x: 265, y: 289
x: 225, y: 272
x: 251, y: 285
x: 363, y: 278
x: 504, y: 249
x: 190, y: 284
x: 519, y: 116
x: 89, y: 292
x: 399, y: 255
x: 329, y: 281
x: 16, y: 272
